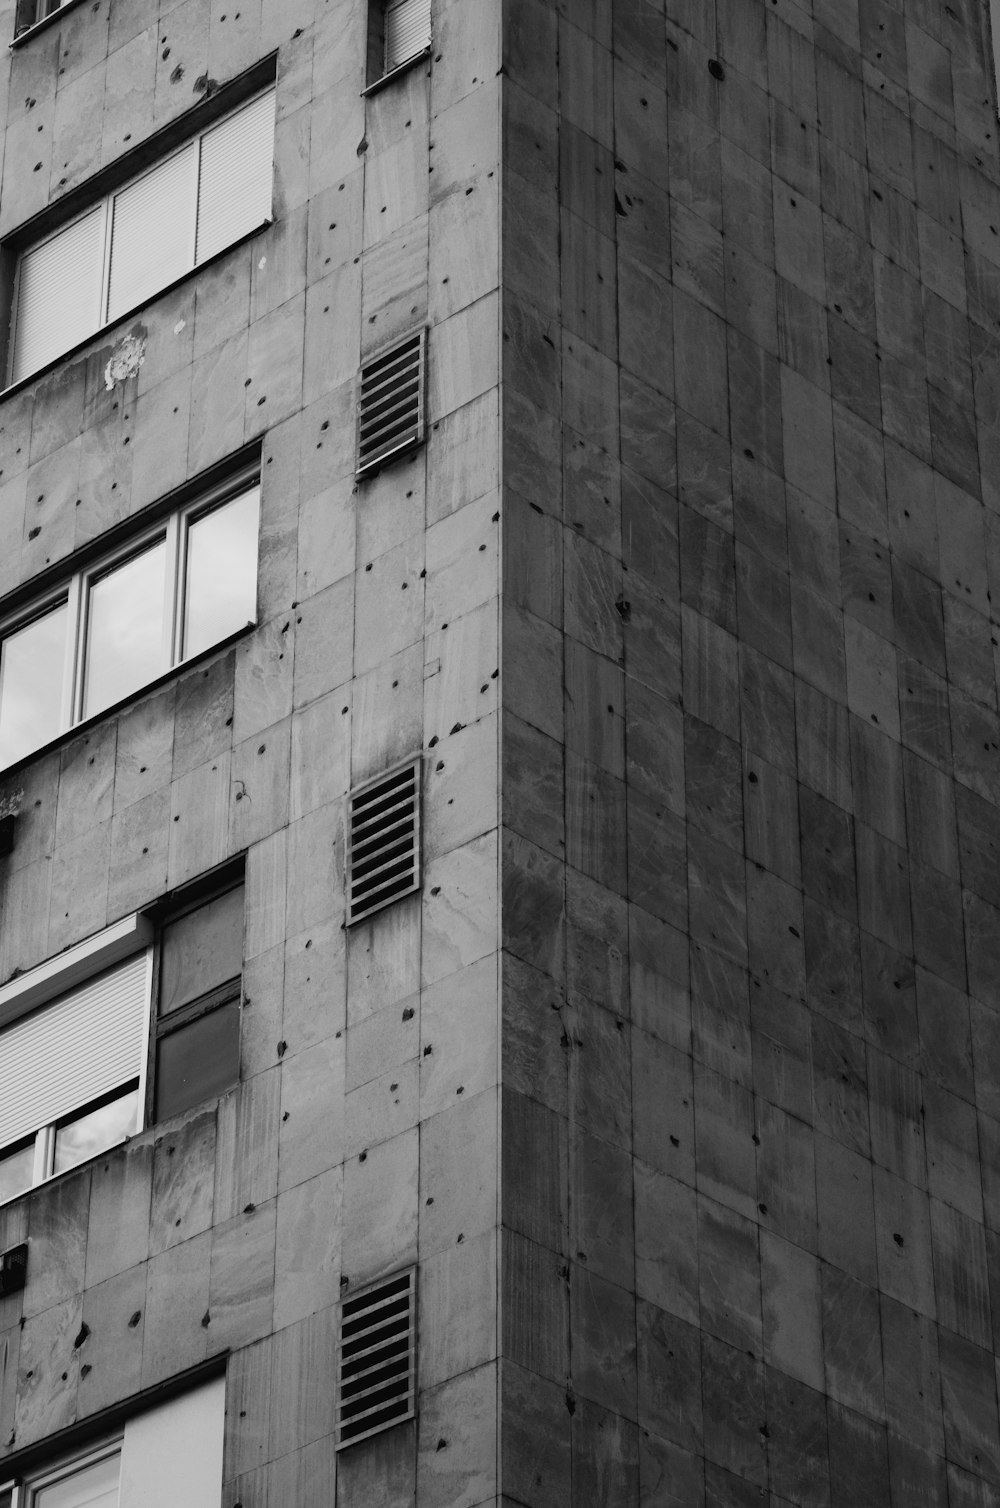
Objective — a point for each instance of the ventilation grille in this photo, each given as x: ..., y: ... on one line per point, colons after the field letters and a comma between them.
x: 391, y: 403
x: 383, y: 857
x: 376, y: 1383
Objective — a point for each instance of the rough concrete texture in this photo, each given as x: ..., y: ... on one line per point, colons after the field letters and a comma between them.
x: 363, y: 1134
x: 750, y: 778
x: 678, y: 1079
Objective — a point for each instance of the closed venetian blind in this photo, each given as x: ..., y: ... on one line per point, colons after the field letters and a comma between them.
x: 234, y: 191
x: 152, y: 231
x: 407, y: 30
x: 70, y: 1052
x: 59, y: 293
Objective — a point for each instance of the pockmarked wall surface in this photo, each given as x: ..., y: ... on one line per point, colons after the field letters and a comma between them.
x: 362, y: 1134
x: 750, y: 754
x: 675, y: 1077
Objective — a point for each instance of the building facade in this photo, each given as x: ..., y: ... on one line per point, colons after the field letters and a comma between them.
x: 611, y: 1038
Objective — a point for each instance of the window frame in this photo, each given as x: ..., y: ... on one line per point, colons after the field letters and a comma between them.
x: 173, y: 526
x: 29, y: 28
x: 378, y: 75
x: 102, y: 191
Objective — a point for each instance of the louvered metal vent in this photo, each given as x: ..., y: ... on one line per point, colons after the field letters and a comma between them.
x: 383, y: 856
x: 376, y: 1358
x: 391, y: 403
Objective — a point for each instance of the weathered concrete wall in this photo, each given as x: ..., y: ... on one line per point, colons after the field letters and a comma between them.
x: 363, y: 1133
x: 750, y: 777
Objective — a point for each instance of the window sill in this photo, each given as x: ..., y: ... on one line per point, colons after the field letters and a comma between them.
x: 123, y: 319
x: 388, y: 78
x: 89, y: 723
x: 46, y: 21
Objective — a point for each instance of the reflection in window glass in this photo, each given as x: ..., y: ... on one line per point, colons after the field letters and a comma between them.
x: 202, y: 950
x: 16, y: 1175
x: 92, y: 1133
x: 31, y: 680
x: 221, y: 587
x: 94, y: 1486
x: 125, y: 630
x: 198, y: 1060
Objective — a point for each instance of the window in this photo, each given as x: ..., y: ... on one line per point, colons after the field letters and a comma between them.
x: 169, y: 593
x: 72, y: 1072
x: 400, y: 32
x: 29, y: 13
x: 198, y: 1012
x: 131, y: 245
x: 163, y: 1457
x: 74, y: 1034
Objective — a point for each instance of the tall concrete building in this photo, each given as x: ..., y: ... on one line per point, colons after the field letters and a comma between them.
x: 499, y: 754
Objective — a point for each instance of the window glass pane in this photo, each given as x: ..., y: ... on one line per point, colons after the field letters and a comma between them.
x: 221, y: 585
x: 202, y: 950
x: 152, y: 232
x: 95, y: 1131
x: 16, y: 1172
x: 125, y: 630
x: 198, y: 1060
x: 31, y: 684
x: 94, y: 1486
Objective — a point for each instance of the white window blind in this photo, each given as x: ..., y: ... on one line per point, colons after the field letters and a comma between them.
x: 71, y: 1052
x: 144, y: 236
x: 407, y: 30
x: 234, y: 192
x: 59, y: 293
x: 172, y: 1455
x: 152, y: 231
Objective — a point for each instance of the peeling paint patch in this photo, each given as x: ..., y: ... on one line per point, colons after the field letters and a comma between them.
x: 125, y: 361
x: 180, y: 325
x: 262, y: 264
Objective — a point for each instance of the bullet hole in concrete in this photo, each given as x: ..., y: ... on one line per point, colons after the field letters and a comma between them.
x: 82, y: 1334
x: 206, y: 1320
x: 716, y: 69
x: 34, y: 533
x: 430, y: 1199
x: 570, y: 1403
x: 762, y: 1208
x: 368, y: 566
x: 441, y: 1445
x: 229, y: 722
x: 408, y: 1013
x: 457, y: 728
x: 86, y: 1369
x: 459, y: 1238
x: 428, y: 1050
x: 248, y: 1209
x: 432, y: 741
x: 897, y: 1238
x: 286, y: 1115
x: 362, y: 1157
x: 134, y: 1319
x: 460, y: 1089
x: 282, y: 1048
